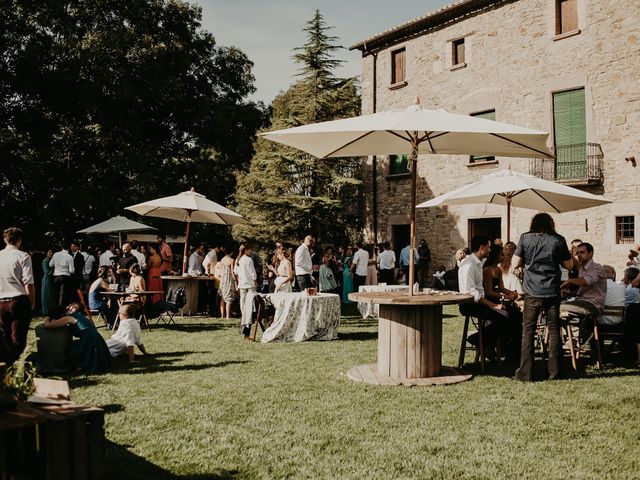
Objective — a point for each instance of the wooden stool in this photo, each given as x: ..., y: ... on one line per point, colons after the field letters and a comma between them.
x: 478, y: 323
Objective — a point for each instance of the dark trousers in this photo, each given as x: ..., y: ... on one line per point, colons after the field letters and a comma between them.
x: 508, y: 328
x: 386, y: 276
x: 15, y: 316
x: 304, y: 282
x: 533, y: 307
x: 64, y: 291
x: 358, y: 281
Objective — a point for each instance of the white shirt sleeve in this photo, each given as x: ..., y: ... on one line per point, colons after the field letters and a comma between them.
x: 467, y: 280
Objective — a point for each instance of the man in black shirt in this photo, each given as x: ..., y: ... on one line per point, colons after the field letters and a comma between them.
x: 541, y: 251
x: 125, y: 262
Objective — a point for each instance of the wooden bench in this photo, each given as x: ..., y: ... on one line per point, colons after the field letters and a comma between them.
x: 52, y: 442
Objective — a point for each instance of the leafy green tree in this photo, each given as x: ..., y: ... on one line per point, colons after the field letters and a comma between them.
x: 286, y: 193
x: 104, y: 104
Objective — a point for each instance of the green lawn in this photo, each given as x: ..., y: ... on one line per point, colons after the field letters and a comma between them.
x: 208, y: 405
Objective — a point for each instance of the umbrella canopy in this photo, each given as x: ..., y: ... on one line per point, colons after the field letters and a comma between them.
x: 416, y: 131
x: 396, y: 131
x: 116, y: 224
x: 507, y: 187
x: 188, y: 207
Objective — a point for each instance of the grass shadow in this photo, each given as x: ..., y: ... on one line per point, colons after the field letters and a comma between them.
x: 154, y: 367
x: 194, y: 327
x: 138, y: 468
x: 358, y: 336
x: 112, y: 408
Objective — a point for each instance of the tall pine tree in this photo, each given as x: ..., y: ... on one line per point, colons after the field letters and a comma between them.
x: 287, y: 194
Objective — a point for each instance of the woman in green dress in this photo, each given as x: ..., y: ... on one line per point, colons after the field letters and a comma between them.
x: 90, y: 352
x: 47, y: 295
x: 347, y: 276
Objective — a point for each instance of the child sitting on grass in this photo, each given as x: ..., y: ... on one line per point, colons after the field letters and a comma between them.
x: 128, y: 335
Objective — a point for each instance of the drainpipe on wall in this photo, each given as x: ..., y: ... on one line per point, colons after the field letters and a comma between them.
x: 374, y: 169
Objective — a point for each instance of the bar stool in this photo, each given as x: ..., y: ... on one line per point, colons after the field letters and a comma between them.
x: 479, y: 325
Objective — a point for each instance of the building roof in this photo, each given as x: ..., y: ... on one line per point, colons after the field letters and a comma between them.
x: 437, y: 18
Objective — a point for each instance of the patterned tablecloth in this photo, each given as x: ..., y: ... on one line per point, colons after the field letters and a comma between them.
x: 373, y: 309
x: 301, y: 317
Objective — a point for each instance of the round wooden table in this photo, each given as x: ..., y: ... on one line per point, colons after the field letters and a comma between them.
x: 409, y: 340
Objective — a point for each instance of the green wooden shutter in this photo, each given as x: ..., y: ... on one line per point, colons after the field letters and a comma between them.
x: 398, y: 164
x: 570, y: 132
x: 489, y: 115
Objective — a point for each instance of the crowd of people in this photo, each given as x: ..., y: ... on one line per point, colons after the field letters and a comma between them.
x: 511, y: 286
x: 550, y: 280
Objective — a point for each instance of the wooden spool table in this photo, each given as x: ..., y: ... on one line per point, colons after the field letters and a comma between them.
x: 409, y: 340
x: 191, y: 289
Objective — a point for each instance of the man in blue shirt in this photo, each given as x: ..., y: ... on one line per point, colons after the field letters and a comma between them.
x: 405, y: 261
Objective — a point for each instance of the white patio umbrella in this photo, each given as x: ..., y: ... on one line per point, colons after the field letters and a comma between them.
x: 511, y: 188
x: 117, y: 224
x: 188, y: 207
x: 413, y: 131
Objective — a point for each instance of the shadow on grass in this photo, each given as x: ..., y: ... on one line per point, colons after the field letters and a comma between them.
x: 112, y: 408
x: 121, y: 464
x: 194, y: 327
x: 177, y: 354
x: 151, y: 366
x: 358, y: 336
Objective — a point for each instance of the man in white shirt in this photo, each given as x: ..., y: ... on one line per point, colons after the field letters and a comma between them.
x: 504, y: 323
x: 359, y: 266
x: 386, y: 264
x: 195, y: 261
x: 247, y: 277
x: 17, y: 296
x: 142, y: 261
x: 63, y: 269
x: 128, y: 335
x: 105, y: 258
x: 303, y: 264
x: 210, y: 261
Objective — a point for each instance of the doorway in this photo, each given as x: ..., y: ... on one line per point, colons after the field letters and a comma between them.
x: 400, y: 237
x: 489, y: 227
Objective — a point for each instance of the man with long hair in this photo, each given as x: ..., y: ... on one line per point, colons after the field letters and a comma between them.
x: 541, y: 250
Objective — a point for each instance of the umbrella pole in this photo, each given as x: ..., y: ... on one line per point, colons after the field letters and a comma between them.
x: 186, y: 245
x: 120, y: 239
x: 414, y: 174
x: 508, y: 219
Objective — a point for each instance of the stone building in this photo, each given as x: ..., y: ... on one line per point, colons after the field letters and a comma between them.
x: 567, y: 67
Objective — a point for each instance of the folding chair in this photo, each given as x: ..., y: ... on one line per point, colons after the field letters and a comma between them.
x: 479, y: 324
x: 263, y: 315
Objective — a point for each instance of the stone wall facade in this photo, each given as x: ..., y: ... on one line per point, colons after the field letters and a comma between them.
x: 514, y: 63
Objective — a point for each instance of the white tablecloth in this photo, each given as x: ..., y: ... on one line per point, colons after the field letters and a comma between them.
x: 301, y: 317
x: 373, y: 309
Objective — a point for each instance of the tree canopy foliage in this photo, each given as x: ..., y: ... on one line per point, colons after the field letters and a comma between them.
x: 287, y: 194
x: 104, y: 104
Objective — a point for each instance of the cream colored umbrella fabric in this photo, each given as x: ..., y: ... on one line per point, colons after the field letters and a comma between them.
x: 415, y: 131
x: 511, y: 188
x: 117, y: 224
x: 188, y: 207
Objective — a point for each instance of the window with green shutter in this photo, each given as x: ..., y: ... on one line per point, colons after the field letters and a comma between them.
x: 570, y: 134
x: 489, y: 115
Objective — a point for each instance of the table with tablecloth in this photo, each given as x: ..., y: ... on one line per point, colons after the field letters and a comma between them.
x: 372, y: 310
x: 299, y: 317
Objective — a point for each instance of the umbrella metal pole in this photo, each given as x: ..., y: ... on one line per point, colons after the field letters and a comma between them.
x: 185, y: 259
x: 508, y: 219
x: 414, y: 174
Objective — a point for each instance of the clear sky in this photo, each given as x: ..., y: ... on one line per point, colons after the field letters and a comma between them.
x: 268, y: 30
